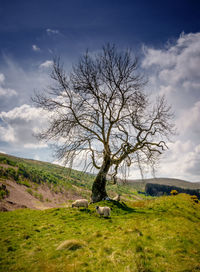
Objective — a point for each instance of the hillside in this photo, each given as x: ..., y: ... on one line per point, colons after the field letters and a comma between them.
x: 140, y: 184
x: 40, y: 185
x: 143, y: 234
x: 148, y: 235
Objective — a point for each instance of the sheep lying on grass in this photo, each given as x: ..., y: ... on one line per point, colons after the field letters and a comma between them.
x: 117, y: 198
x: 80, y: 203
x: 105, y: 211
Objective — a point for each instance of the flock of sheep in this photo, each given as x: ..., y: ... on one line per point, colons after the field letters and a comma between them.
x: 102, y: 211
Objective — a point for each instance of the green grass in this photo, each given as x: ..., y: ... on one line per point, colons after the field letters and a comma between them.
x: 150, y: 235
x: 34, y: 173
x: 25, y: 170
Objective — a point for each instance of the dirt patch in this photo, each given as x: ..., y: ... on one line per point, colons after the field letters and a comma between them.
x: 8, y: 166
x: 36, y: 196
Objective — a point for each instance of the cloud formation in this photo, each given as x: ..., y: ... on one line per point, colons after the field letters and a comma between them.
x: 2, y: 78
x: 36, y: 48
x: 5, y: 91
x: 175, y: 72
x: 19, y: 125
x: 52, y: 31
x: 17, y: 83
x: 46, y: 64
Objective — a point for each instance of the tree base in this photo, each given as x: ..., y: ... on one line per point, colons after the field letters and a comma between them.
x: 98, y: 192
x: 99, y: 186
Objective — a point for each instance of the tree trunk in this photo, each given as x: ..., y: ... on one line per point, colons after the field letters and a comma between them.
x: 99, y: 186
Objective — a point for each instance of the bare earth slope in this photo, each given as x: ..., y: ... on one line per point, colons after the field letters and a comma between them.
x: 38, y: 185
x: 40, y: 197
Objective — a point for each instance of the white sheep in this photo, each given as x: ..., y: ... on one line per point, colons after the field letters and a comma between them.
x: 105, y: 211
x: 80, y: 203
x: 117, y: 198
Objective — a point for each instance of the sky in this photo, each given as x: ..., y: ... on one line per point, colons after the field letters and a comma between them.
x: 164, y: 34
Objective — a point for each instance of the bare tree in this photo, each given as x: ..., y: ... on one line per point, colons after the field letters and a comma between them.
x: 101, y: 109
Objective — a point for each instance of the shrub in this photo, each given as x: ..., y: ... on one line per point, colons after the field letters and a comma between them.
x: 195, y: 198
x: 38, y: 196
x: 24, y: 182
x: 12, y: 173
x: 173, y: 192
x: 3, y: 191
x: 5, y: 160
x: 29, y: 190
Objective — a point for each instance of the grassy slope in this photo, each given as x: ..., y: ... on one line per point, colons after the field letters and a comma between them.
x: 59, y: 178
x: 150, y: 235
x: 59, y: 172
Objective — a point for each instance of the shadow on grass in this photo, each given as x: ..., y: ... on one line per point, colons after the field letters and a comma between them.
x: 116, y: 208
x: 86, y: 210
x: 122, y: 206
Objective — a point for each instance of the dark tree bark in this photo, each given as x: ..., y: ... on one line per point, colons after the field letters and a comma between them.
x: 99, y: 185
x: 101, y: 110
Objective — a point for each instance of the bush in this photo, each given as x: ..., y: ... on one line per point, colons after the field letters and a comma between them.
x: 12, y: 173
x: 174, y: 192
x: 5, y: 160
x: 24, y: 182
x: 9, y: 173
x: 29, y: 191
x: 39, y: 196
x: 195, y: 198
x: 3, y: 191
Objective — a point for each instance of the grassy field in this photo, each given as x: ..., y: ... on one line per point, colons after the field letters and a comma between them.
x: 160, y: 234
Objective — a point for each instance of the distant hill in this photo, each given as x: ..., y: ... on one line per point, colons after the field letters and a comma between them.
x: 155, y: 189
x: 140, y: 184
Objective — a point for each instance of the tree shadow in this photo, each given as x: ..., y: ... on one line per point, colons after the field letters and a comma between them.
x: 122, y: 206
x: 86, y: 210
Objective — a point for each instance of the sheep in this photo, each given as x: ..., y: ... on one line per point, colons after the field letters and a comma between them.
x: 117, y: 198
x: 80, y: 203
x: 105, y: 211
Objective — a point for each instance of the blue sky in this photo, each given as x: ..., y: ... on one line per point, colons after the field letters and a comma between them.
x: 165, y: 34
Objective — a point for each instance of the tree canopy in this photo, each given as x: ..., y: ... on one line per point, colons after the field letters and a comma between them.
x: 102, y: 110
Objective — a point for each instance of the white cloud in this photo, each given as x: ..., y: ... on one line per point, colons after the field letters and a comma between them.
x: 2, y: 78
x: 176, y: 67
x: 36, y: 157
x: 22, y: 80
x: 190, y: 119
x: 19, y: 124
x: 181, y: 161
x: 46, y: 64
x: 193, y: 161
x: 35, y: 146
x: 7, y: 134
x: 52, y: 31
x: 35, y: 48
x: 175, y: 72
x: 5, y: 91
x: 24, y: 112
